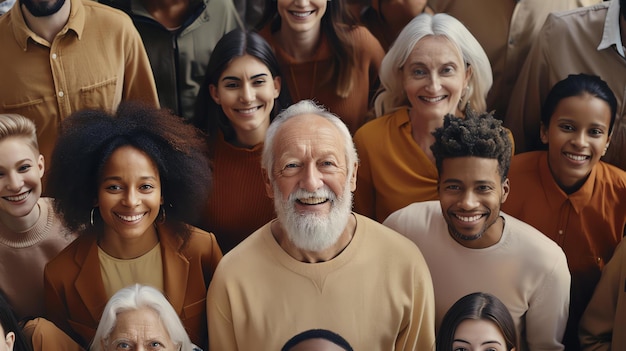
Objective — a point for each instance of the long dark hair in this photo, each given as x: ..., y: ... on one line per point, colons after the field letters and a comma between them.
x: 577, y: 85
x: 209, y: 116
x: 9, y: 324
x: 336, y: 24
x: 477, y: 306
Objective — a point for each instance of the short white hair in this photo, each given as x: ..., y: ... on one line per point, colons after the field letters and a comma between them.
x: 441, y: 24
x: 134, y: 298
x: 305, y: 107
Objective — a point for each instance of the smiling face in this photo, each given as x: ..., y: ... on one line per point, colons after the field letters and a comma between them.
x: 246, y: 93
x: 478, y: 335
x: 578, y: 135
x: 140, y: 329
x: 129, y: 195
x: 301, y: 15
x: 312, y: 183
x: 21, y: 169
x: 471, y: 192
x: 434, y: 77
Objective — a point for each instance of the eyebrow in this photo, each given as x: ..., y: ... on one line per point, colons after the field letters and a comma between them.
x: 120, y: 178
x: 237, y: 78
x: 483, y: 343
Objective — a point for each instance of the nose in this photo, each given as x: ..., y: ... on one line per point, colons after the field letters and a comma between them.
x: 580, y: 140
x: 301, y: 3
x: 247, y: 94
x: 15, y: 181
x: 131, y: 198
x: 435, y: 82
x: 468, y: 201
x: 311, y: 179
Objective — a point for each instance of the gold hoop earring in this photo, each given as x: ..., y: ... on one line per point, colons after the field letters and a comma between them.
x: 91, y: 216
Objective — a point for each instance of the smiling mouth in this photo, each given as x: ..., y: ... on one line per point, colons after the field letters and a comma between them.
x: 249, y: 110
x: 130, y: 218
x: 301, y: 14
x: 313, y: 200
x: 433, y: 99
x: 18, y: 197
x: 468, y: 219
x: 576, y: 157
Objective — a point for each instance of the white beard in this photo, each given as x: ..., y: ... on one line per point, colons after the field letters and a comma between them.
x: 310, y: 231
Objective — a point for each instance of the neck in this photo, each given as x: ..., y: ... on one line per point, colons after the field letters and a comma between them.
x: 421, y: 130
x: 21, y: 224
x: 126, y: 249
x: 249, y: 139
x: 301, y: 46
x: 49, y: 26
x: 314, y: 256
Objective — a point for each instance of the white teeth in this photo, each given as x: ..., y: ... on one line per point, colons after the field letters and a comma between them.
x: 131, y: 218
x: 302, y: 14
x: 313, y: 200
x: 19, y: 197
x: 250, y: 110
x: 469, y: 219
x: 576, y: 157
x: 435, y: 99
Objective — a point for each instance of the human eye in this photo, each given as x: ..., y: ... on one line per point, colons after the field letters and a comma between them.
x: 484, y: 188
x: 155, y: 345
x: 231, y: 84
x: 418, y: 72
x: 112, y: 188
x: 452, y: 187
x: 566, y: 127
x: 460, y: 349
x: 146, y: 187
x: 123, y: 346
x: 24, y: 168
x: 448, y: 70
x: 259, y: 81
x: 596, y: 132
x: 290, y: 169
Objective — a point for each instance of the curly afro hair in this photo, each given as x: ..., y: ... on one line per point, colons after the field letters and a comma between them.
x: 88, y: 139
x: 477, y: 135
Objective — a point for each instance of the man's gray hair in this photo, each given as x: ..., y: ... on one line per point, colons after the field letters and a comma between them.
x: 305, y: 107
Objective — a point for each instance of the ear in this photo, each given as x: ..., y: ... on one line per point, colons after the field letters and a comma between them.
x: 606, y: 147
x: 543, y: 133
x: 468, y: 74
x: 214, y: 94
x: 353, y: 177
x: 41, y: 165
x: 277, y: 86
x: 268, y: 185
x: 10, y: 340
x: 506, y: 188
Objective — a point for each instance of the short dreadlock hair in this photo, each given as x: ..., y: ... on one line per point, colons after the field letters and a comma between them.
x: 477, y: 135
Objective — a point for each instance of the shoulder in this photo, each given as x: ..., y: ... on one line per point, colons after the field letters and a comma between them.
x: 200, y: 242
x: 563, y: 19
x: 380, y: 127
x: 527, y: 238
x: 73, y: 256
x: 416, y: 219
x: 611, y: 174
x: 104, y: 14
x: 525, y: 163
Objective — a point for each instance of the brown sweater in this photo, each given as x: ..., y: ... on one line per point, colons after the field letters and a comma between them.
x: 304, y: 78
x: 238, y: 204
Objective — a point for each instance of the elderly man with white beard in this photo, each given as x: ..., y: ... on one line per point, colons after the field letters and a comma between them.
x: 319, y: 265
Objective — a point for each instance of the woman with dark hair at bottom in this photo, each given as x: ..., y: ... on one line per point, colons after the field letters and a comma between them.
x: 317, y: 340
x: 128, y: 184
x: 477, y: 321
x: 12, y: 336
x: 241, y: 95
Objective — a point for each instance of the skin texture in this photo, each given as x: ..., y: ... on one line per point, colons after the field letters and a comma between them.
x: 470, y: 188
x: 310, y: 156
x: 246, y: 93
x: 478, y: 335
x: 139, y: 330
x: 578, y: 135
x: 42, y: 8
x: 21, y: 169
x: 317, y: 345
x: 129, y: 187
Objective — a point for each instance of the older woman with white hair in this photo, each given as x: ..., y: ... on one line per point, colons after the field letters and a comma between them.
x: 435, y: 67
x: 140, y: 316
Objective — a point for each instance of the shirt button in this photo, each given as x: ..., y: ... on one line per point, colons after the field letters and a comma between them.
x: 61, y: 93
x: 560, y: 232
x: 599, y: 259
x: 54, y: 56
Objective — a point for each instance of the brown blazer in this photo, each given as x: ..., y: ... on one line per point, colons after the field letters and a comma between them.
x: 75, y: 295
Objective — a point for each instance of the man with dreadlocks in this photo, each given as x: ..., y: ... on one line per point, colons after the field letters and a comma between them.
x: 470, y: 246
